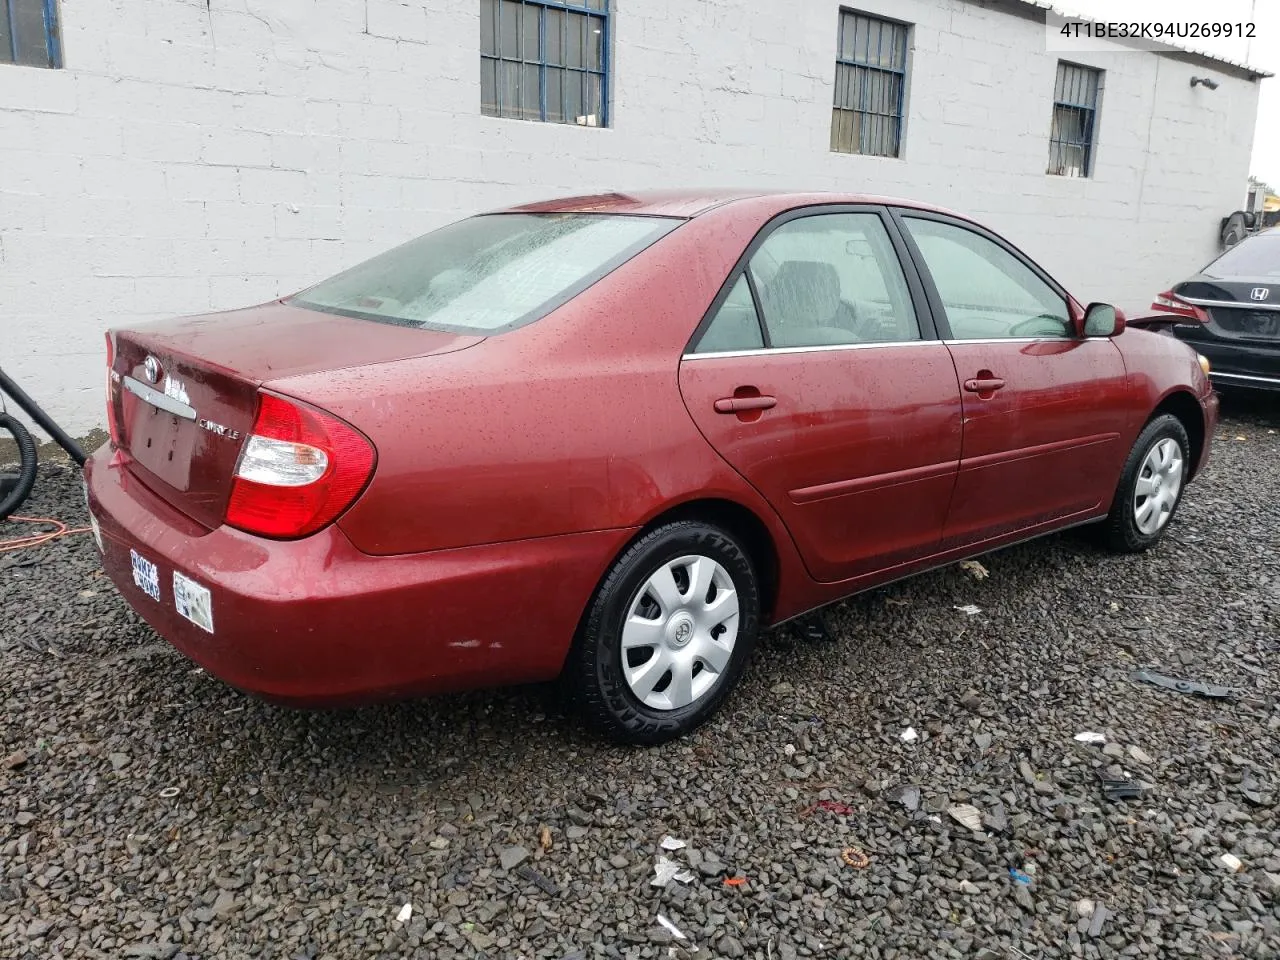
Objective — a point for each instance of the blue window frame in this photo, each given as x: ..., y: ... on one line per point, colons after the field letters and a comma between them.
x: 29, y: 33
x: 543, y: 60
x: 871, y: 81
x: 1075, y: 120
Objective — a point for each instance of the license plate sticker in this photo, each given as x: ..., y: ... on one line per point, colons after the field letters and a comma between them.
x: 193, y: 601
x: 145, y: 575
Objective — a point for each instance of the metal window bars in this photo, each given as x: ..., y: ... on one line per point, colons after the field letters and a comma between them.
x: 29, y: 33
x: 543, y: 60
x: 871, y: 79
x: 1075, y: 110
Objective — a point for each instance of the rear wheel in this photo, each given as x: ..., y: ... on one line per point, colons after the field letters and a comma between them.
x: 668, y: 634
x: 1150, y: 487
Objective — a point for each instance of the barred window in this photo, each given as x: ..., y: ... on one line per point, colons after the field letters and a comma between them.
x: 1075, y: 120
x: 545, y: 60
x: 871, y: 79
x: 29, y: 33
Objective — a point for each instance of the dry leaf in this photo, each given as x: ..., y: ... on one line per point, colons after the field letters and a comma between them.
x: 544, y: 837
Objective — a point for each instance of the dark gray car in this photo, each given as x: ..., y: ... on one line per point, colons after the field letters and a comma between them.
x: 1232, y: 311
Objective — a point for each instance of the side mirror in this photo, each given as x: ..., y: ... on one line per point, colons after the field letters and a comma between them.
x: 1103, y: 320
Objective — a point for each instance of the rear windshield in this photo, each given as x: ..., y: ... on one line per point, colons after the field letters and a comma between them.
x: 1257, y: 256
x: 487, y: 273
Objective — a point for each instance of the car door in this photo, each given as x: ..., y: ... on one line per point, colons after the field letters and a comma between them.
x: 1044, y: 407
x: 817, y: 375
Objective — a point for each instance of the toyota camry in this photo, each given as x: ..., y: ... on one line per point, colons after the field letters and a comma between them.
x: 609, y: 439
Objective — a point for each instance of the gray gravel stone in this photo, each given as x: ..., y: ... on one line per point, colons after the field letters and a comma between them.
x: 1140, y: 756
x: 512, y: 857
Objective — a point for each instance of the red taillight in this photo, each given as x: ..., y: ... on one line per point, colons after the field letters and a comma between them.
x: 1170, y: 302
x: 113, y: 384
x: 298, y: 470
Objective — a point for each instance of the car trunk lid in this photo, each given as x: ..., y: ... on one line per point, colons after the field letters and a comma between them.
x: 185, y: 392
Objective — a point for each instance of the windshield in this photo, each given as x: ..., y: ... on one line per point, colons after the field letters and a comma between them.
x: 487, y: 273
x: 1256, y: 256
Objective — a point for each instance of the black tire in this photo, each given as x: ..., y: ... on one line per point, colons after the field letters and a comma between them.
x: 1120, y: 530
x: 594, y: 673
x: 26, y: 478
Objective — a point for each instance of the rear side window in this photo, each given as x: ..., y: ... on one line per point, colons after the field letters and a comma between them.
x: 489, y: 273
x: 832, y: 279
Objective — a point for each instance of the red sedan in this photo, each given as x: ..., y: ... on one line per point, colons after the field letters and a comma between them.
x: 610, y: 438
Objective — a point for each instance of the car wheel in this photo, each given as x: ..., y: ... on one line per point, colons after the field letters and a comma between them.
x: 1150, y: 487
x: 667, y: 635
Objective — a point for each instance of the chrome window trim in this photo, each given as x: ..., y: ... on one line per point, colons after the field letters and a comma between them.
x: 159, y: 400
x: 1236, y: 304
x: 821, y: 347
x: 958, y: 342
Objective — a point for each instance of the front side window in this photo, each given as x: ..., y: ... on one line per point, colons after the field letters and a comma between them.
x: 871, y: 79
x: 489, y: 273
x: 832, y: 279
x: 545, y: 61
x: 29, y: 33
x: 987, y: 292
x: 1075, y: 120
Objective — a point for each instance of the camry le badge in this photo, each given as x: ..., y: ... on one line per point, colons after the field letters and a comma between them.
x: 1259, y: 293
x: 151, y: 368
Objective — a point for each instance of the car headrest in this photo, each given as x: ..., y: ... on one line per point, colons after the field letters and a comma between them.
x: 805, y: 292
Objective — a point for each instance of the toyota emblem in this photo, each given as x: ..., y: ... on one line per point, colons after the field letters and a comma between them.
x: 1259, y: 293
x: 151, y: 368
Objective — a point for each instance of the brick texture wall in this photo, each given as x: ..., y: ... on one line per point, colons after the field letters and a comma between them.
x: 197, y: 155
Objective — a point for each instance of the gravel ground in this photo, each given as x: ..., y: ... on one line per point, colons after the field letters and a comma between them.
x: 159, y: 813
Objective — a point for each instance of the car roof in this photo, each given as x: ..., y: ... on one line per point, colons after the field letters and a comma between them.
x: 692, y: 203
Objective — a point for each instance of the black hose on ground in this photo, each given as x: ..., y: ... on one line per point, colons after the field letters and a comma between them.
x: 14, y: 496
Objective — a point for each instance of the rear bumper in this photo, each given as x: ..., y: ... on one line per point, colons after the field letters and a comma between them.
x: 315, y: 622
x: 1240, y: 364
x: 1249, y: 381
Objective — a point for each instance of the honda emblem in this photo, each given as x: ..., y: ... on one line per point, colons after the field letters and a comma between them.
x: 1259, y: 293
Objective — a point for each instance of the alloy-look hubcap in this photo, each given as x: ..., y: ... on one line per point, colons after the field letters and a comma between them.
x: 1159, y: 482
x: 678, y: 637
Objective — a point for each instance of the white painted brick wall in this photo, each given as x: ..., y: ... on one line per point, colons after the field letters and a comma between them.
x: 202, y: 155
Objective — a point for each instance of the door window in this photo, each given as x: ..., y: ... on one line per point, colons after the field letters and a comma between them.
x: 987, y: 292
x: 735, y: 325
x: 832, y: 279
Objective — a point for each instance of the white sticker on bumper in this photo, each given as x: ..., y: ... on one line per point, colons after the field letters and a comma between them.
x: 193, y: 601
x: 145, y: 575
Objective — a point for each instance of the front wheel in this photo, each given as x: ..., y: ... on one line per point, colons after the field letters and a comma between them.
x: 1150, y: 487
x: 667, y: 635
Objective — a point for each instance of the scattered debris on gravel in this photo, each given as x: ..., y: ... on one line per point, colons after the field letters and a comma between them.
x: 147, y: 810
